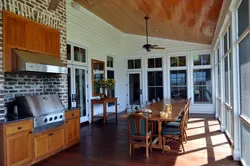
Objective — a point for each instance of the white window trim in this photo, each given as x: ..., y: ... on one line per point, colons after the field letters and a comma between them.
x: 72, y: 62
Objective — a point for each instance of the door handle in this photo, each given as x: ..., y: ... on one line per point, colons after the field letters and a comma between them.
x: 19, y: 128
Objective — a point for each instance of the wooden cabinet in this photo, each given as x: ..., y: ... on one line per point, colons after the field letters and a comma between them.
x: 19, y: 148
x: 56, y: 140
x: 16, y: 143
x: 35, y: 39
x: 41, y: 145
x: 72, y: 127
x: 26, y: 34
x: 48, y: 142
x: 52, y: 44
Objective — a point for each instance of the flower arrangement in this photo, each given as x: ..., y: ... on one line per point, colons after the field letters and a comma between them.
x: 109, y: 83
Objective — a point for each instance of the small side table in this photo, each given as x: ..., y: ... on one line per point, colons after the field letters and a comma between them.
x: 105, y: 114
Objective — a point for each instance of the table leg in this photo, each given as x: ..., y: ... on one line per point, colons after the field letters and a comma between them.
x: 104, y: 113
x: 92, y: 113
x: 159, y: 133
x: 116, y: 111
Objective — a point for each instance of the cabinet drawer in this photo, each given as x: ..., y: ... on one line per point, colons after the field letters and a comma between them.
x: 72, y: 114
x: 18, y: 127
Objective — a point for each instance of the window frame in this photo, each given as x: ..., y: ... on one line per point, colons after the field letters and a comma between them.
x: 72, y: 61
x: 134, y: 69
x: 110, y: 69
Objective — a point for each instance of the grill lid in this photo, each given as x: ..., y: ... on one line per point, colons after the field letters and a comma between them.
x: 39, y: 105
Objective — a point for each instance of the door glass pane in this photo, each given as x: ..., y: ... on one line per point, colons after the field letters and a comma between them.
x: 134, y: 89
x: 111, y: 75
x: 245, y: 143
x: 243, y: 16
x: 206, y: 59
x: 151, y: 62
x: 178, y: 84
x: 158, y: 62
x: 151, y: 78
x: 158, y: 78
x: 182, y: 61
x: 79, y: 54
x: 69, y: 89
x: 68, y: 52
x: 197, y: 60
x: 137, y: 64
x: 202, y: 86
x: 109, y: 61
x: 173, y: 61
x: 244, y: 56
x: 130, y: 64
x: 80, y: 91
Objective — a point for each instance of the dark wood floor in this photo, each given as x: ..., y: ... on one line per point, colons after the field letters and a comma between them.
x: 107, y: 145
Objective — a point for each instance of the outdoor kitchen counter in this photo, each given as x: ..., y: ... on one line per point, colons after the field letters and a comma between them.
x: 8, y: 120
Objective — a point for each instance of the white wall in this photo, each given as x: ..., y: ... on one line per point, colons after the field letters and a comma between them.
x: 100, y: 39
x: 133, y: 49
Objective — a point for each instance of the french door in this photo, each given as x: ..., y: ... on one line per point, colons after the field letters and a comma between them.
x: 134, y: 88
x: 77, y: 90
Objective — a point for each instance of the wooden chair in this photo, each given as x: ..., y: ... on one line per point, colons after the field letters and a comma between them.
x: 139, y: 132
x: 175, y: 134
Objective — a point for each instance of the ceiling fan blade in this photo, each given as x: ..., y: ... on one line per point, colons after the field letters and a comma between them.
x: 161, y: 48
x: 154, y: 46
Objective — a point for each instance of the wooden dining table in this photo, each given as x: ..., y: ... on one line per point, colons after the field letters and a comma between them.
x: 156, y: 108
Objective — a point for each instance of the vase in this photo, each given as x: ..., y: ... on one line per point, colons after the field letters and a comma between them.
x: 110, y: 93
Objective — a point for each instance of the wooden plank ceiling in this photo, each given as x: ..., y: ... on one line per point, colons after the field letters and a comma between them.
x: 184, y: 20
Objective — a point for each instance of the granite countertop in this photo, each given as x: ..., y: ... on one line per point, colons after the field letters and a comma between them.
x: 8, y: 120
x: 71, y: 109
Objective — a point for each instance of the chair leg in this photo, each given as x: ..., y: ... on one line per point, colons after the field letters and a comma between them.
x: 183, y: 147
x: 186, y: 136
x: 147, y: 148
x: 151, y: 143
x: 130, y: 149
x: 163, y: 144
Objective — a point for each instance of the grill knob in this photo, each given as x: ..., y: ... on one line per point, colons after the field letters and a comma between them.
x: 45, y: 120
x: 50, y: 119
x: 55, y: 118
x: 60, y: 116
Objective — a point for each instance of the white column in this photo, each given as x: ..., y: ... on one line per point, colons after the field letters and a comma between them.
x: 236, y: 90
x: 222, y: 89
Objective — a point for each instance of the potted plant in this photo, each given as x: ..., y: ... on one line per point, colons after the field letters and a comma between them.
x: 109, y: 85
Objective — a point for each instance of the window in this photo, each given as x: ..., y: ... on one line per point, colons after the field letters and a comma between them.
x: 134, y: 64
x: 201, y: 60
x: 245, y: 143
x: 178, y: 61
x: 155, y: 85
x: 225, y: 43
x: 68, y: 52
x: 226, y: 80
x: 79, y: 53
x: 202, y: 86
x: 218, y: 55
x: 110, y: 61
x: 110, y: 74
x: 244, y: 56
x: 154, y: 62
x: 243, y: 16
x: 178, y: 81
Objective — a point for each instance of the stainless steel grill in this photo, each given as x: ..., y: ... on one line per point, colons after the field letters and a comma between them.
x: 47, y: 110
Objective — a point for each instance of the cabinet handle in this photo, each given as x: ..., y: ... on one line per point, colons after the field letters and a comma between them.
x: 52, y: 133
x: 30, y: 132
x: 73, y: 114
x: 19, y: 128
x: 66, y: 121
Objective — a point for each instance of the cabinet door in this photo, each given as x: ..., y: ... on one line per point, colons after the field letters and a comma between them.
x: 19, y: 149
x: 35, y: 37
x: 72, y: 128
x: 52, y: 44
x: 56, y: 140
x: 14, y: 32
x: 41, y: 144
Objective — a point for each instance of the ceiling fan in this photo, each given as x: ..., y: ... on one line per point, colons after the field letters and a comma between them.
x: 147, y: 46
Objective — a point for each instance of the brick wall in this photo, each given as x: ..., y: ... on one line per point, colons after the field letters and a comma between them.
x: 11, y: 84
